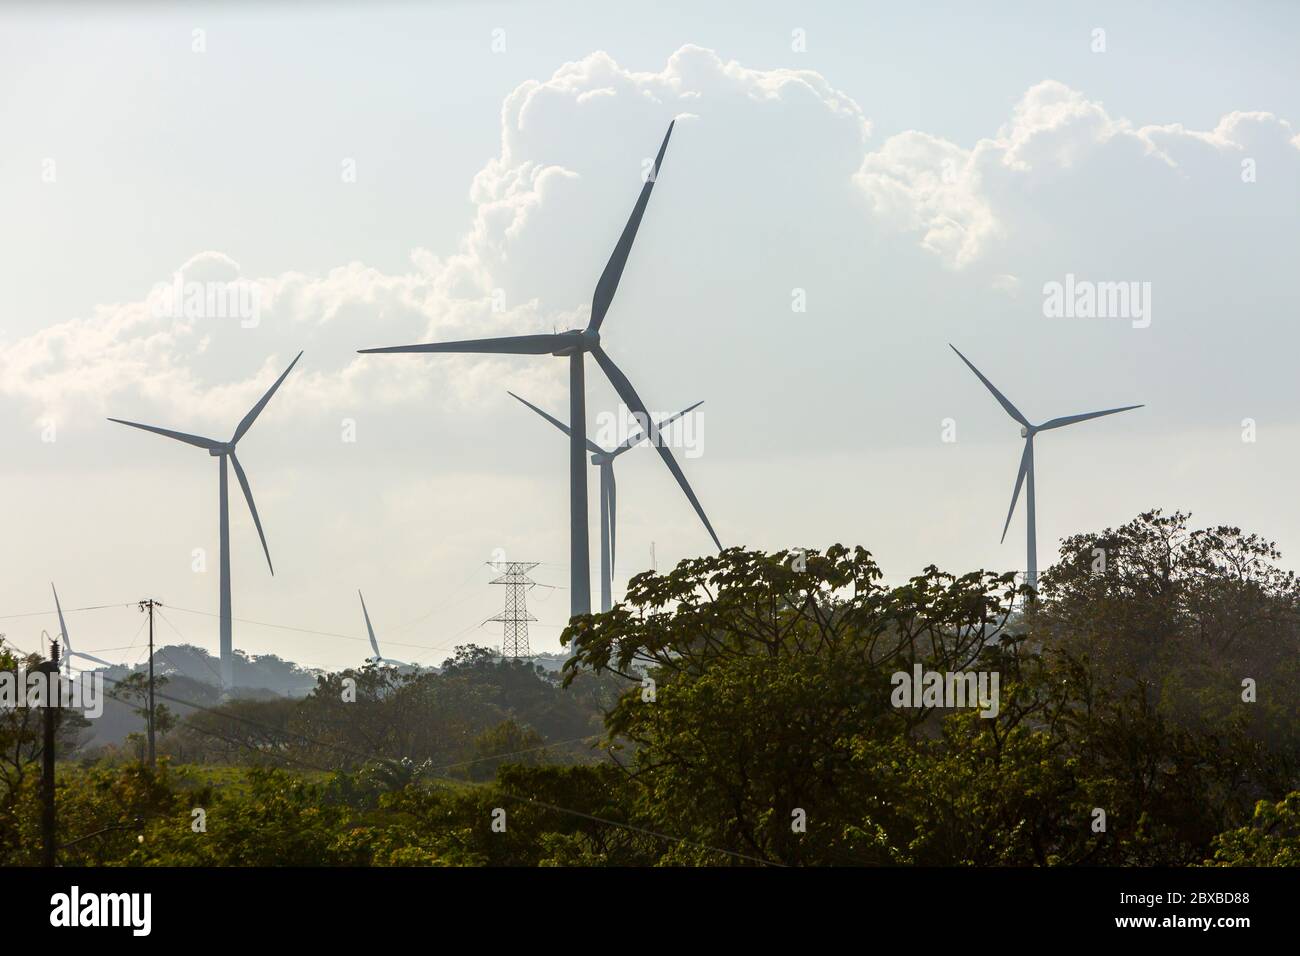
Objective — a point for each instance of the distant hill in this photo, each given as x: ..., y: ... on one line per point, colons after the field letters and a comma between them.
x: 263, y: 672
x: 194, y: 682
x: 194, y: 678
x: 551, y: 662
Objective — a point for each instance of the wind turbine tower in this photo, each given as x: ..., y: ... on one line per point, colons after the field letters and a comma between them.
x: 604, y: 459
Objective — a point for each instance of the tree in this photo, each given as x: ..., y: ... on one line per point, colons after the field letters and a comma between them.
x: 758, y: 704
x: 1196, y: 621
x: 1272, y: 838
x: 509, y: 742
x: 770, y: 672
x: 133, y: 690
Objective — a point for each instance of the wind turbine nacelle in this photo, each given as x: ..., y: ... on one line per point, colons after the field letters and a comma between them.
x: 1024, y: 432
x: 584, y: 340
x: 219, y: 451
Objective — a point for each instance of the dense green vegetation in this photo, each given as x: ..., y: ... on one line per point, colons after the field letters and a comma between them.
x: 740, y: 709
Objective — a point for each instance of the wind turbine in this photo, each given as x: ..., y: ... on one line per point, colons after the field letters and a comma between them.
x: 68, y: 652
x: 573, y: 345
x: 604, y: 460
x: 1026, y: 473
x: 226, y: 451
x: 374, y: 644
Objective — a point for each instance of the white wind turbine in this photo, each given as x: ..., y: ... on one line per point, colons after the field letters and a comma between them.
x: 225, y: 450
x: 374, y: 644
x: 604, y: 460
x: 1026, y: 473
x: 68, y: 652
x: 574, y: 345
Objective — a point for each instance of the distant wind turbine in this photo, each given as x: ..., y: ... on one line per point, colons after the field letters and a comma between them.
x: 223, y: 451
x: 573, y: 345
x: 68, y: 652
x: 1026, y: 473
x: 374, y: 644
x: 604, y: 460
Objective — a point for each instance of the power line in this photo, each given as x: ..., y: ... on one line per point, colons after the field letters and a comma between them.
x: 207, y: 659
x: 300, y: 630
x: 137, y: 636
x: 66, y: 610
x: 119, y: 647
x: 241, y: 620
x: 440, y: 646
x: 459, y: 589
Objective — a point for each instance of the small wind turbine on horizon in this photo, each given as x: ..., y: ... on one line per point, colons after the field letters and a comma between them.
x: 68, y: 652
x: 604, y: 460
x: 573, y: 345
x: 1026, y: 473
x: 226, y: 451
x: 374, y: 644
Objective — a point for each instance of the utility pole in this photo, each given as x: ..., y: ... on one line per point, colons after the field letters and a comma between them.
x: 48, y: 830
x: 149, y: 605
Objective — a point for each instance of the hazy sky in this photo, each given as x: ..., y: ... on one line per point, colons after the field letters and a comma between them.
x: 388, y: 174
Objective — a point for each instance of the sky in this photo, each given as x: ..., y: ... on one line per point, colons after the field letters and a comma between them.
x: 849, y: 188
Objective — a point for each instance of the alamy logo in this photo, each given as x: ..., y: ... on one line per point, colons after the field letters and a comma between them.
x: 182, y: 299
x: 102, y: 909
x: 24, y: 688
x: 1084, y: 299
x: 923, y: 688
x: 680, y: 430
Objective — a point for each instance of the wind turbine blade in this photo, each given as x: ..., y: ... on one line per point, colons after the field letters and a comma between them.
x: 1020, y: 480
x: 195, y: 440
x: 63, y: 627
x: 1071, y: 419
x: 374, y: 644
x: 591, y: 445
x: 608, y: 283
x: 506, y: 345
x: 639, y: 435
x: 633, y: 401
x: 91, y: 657
x: 248, y: 496
x: 1002, y: 399
x: 256, y: 410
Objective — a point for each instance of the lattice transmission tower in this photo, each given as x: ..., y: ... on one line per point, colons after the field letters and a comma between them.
x: 515, y: 617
